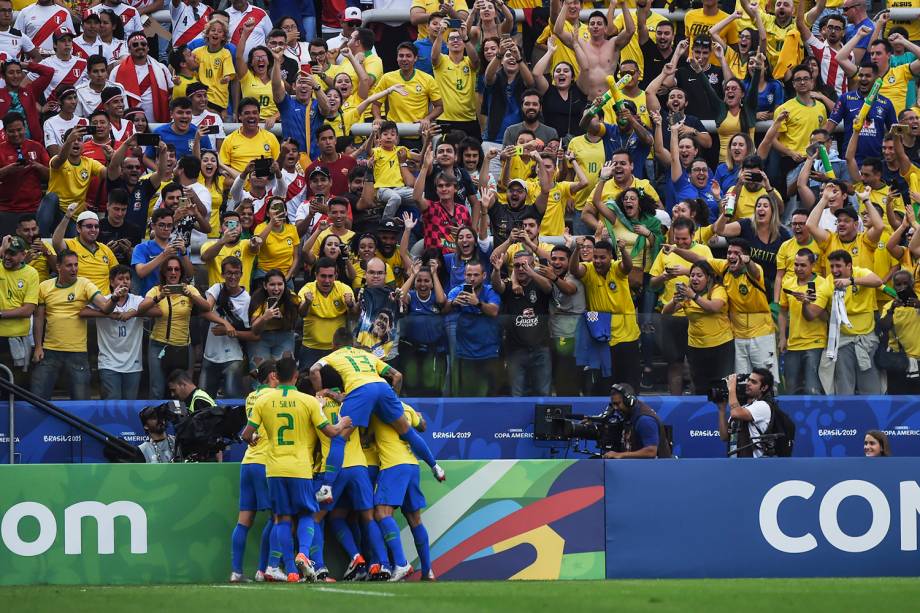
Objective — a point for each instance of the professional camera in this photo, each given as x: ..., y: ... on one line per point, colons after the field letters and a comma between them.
x: 719, y: 390
x: 167, y: 412
x: 202, y: 434
x: 557, y: 423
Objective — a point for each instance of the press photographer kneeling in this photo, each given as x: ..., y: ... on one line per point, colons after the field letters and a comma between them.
x: 747, y: 427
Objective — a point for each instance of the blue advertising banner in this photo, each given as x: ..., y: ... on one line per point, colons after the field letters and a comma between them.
x: 502, y: 428
x: 763, y: 518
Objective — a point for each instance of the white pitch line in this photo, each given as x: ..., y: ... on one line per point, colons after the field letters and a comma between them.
x: 338, y: 590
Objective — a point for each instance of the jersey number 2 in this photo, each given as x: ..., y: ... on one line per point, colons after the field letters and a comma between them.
x: 289, y: 426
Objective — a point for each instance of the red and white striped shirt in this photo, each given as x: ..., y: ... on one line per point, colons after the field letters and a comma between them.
x: 831, y: 72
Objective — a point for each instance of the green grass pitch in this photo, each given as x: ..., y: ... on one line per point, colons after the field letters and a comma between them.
x: 710, y: 595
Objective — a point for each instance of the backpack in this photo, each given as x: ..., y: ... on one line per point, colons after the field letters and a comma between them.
x: 781, y: 424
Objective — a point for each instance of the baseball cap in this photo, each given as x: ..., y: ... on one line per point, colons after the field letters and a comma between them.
x: 352, y: 13
x: 390, y: 224
x: 87, y: 215
x: 108, y: 93
x: 848, y: 211
x: 194, y: 88
x: 62, y: 32
x: 520, y: 182
x: 320, y: 170
x: 17, y: 245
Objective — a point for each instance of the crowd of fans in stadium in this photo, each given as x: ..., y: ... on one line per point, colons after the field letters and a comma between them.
x: 529, y: 206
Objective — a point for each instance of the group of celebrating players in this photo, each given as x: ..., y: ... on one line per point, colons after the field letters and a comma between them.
x: 348, y: 452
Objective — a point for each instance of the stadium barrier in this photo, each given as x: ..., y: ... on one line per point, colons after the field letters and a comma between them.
x: 492, y: 520
x: 131, y: 524
x: 502, y: 428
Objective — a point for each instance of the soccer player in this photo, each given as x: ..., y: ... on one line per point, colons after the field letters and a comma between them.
x: 289, y: 418
x: 366, y: 392
x: 253, y: 484
x: 354, y: 481
x: 398, y: 486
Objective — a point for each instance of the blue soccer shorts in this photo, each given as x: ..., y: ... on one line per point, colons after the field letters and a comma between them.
x: 254, y: 488
x: 292, y: 495
x: 377, y: 397
x: 352, y: 489
x: 398, y: 486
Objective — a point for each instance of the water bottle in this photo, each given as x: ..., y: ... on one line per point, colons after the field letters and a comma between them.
x: 730, y: 204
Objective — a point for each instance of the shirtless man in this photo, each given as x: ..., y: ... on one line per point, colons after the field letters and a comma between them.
x: 599, y: 56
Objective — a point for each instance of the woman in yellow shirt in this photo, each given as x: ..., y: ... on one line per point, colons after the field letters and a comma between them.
x: 212, y: 177
x: 170, y: 339
x: 280, y: 241
x: 710, y: 345
x: 255, y: 76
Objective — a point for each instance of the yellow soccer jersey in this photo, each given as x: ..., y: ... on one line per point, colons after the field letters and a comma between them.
x: 860, y: 304
x: 610, y: 294
x: 591, y: 158
x: 785, y: 257
x: 776, y: 36
x: 894, y: 85
x: 173, y: 327
x: 373, y: 66
x: 17, y: 287
x: 612, y: 190
x: 796, y: 131
x: 354, y: 454
x: 212, y: 68
x: 911, y: 25
x: 96, y: 264
x: 258, y: 453
x: 65, y: 330
x: 386, y: 167
x: 553, y: 222
x: 369, y: 446
x: 879, y: 197
x: 861, y: 249
x: 290, y: 419
x: 356, y: 367
x: 179, y: 90
x: 344, y: 238
x: 326, y: 314
x: 71, y: 181
x: 804, y: 334
x: 457, y: 84
x: 392, y: 450
x: 563, y: 52
x: 40, y: 264
x: 749, y: 309
x: 279, y: 247
x: 906, y: 330
x: 663, y: 260
x: 237, y: 151
x: 696, y: 23
x: 252, y: 86
x: 216, y: 189
x: 744, y: 207
x: 422, y: 90
x: 707, y: 329
x: 239, y: 250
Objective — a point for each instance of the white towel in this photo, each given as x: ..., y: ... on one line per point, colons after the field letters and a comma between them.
x: 838, y: 318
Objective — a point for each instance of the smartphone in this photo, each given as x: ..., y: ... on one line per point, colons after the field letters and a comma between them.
x: 173, y: 289
x: 677, y: 117
x: 811, y: 288
x: 518, y: 225
x: 467, y: 288
x: 215, y: 129
x: 812, y: 149
x: 900, y: 128
x: 543, y: 262
x: 272, y: 302
x: 519, y: 150
x: 184, y: 202
x: 148, y: 140
x: 788, y: 291
x: 263, y: 167
x: 454, y: 23
x: 232, y: 224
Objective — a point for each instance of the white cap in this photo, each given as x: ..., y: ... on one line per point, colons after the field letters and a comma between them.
x: 87, y: 215
x: 352, y: 13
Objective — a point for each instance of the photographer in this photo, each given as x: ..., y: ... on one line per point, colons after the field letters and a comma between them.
x: 642, y: 434
x: 756, y: 413
x: 160, y: 448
